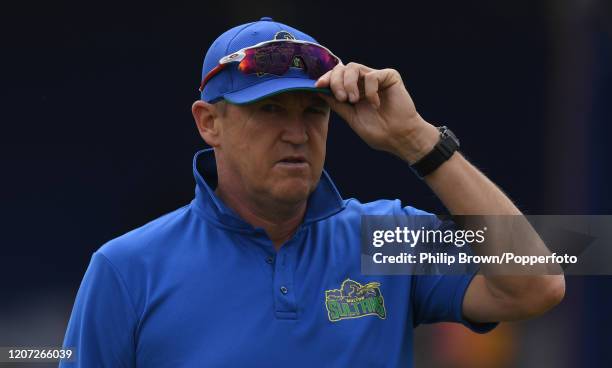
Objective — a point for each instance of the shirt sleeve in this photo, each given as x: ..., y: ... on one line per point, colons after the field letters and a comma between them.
x: 103, y: 321
x: 439, y: 297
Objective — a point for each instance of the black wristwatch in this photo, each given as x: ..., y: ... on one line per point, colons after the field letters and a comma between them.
x: 447, y: 145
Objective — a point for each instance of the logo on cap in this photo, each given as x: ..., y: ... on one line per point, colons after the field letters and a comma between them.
x: 297, y: 61
x: 284, y: 35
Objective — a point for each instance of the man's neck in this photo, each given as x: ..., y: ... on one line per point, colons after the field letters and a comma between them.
x: 279, y: 220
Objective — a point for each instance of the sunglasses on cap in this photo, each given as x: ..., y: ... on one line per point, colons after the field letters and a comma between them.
x: 276, y: 56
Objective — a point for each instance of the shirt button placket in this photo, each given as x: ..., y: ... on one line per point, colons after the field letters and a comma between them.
x: 284, y: 268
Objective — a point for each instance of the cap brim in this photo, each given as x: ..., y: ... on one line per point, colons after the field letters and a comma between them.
x: 272, y: 87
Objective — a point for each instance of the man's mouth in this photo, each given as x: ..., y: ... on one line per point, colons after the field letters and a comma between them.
x: 293, y: 161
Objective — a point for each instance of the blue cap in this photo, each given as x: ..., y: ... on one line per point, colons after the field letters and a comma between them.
x: 239, y: 88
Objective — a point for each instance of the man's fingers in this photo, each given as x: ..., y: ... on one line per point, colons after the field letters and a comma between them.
x: 345, y: 81
x: 362, y: 68
x: 351, y: 77
x: 336, y: 83
x: 323, y: 81
x: 370, y: 81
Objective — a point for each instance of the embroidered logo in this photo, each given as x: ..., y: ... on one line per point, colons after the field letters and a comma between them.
x: 283, y: 35
x: 353, y: 300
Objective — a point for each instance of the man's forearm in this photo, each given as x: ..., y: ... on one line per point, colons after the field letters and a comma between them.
x: 464, y: 190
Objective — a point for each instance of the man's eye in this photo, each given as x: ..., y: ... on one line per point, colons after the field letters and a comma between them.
x: 271, y: 108
x: 315, y: 110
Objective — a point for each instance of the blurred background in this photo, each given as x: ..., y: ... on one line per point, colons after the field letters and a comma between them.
x: 97, y: 137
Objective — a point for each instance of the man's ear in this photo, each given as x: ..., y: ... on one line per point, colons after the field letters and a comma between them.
x: 206, y: 117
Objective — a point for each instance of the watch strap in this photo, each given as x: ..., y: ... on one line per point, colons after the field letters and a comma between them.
x: 442, y: 151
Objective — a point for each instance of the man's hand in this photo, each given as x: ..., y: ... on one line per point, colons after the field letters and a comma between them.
x: 379, y: 109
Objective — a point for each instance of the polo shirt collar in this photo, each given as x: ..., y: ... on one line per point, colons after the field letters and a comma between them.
x: 323, y: 202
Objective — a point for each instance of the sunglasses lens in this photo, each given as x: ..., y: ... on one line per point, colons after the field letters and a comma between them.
x: 272, y: 59
x: 276, y: 59
x: 318, y: 60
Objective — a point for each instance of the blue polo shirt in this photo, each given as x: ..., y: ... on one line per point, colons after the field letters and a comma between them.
x: 200, y: 287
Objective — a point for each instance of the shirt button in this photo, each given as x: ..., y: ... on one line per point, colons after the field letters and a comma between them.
x: 284, y: 290
x: 270, y: 260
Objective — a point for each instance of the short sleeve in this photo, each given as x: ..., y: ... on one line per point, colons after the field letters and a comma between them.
x: 103, y: 321
x: 439, y: 297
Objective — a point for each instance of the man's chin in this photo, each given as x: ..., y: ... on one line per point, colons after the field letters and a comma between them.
x: 292, y: 191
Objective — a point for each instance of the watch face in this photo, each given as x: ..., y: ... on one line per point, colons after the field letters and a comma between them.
x: 445, y: 132
x: 452, y: 135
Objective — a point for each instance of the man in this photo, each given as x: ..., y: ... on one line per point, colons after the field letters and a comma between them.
x: 253, y: 271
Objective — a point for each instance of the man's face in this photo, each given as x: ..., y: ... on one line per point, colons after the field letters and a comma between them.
x: 274, y: 148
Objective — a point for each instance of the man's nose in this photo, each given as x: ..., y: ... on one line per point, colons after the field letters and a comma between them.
x: 294, y: 130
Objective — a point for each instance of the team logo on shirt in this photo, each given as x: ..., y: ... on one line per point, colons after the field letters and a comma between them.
x: 354, y: 300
